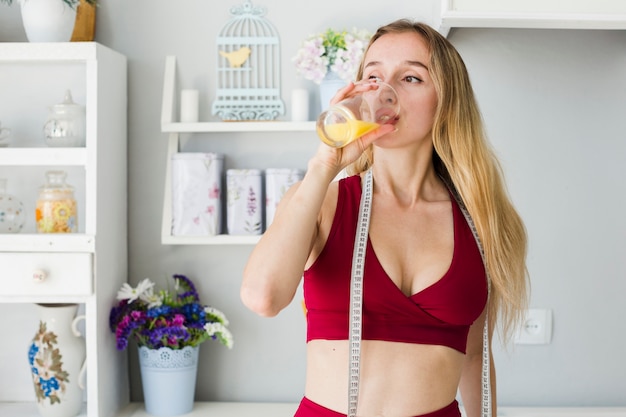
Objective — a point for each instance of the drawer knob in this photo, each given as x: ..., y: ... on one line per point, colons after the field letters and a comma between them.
x: 39, y: 275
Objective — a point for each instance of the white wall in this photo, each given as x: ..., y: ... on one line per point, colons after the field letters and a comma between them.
x: 553, y: 102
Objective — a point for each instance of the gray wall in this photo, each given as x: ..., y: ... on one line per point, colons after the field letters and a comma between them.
x: 554, y: 106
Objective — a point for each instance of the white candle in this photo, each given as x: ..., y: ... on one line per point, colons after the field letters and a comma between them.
x: 189, y: 106
x: 300, y: 105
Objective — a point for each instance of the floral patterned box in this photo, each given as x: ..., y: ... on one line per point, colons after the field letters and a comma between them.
x: 244, y: 202
x: 277, y: 182
x: 196, y: 193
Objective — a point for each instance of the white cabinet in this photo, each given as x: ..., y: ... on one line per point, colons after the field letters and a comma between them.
x: 287, y: 135
x: 89, y: 266
x: 539, y: 14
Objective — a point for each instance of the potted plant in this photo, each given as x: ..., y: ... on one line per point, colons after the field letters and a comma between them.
x: 331, y: 51
x: 331, y: 59
x: 168, y: 327
x: 50, y: 20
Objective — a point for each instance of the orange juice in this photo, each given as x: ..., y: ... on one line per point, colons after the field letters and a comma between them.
x: 340, y: 134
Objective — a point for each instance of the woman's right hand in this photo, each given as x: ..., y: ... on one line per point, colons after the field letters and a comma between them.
x: 336, y: 159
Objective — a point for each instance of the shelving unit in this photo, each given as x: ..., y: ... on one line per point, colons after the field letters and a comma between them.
x: 87, y: 267
x: 545, y: 14
x: 168, y: 125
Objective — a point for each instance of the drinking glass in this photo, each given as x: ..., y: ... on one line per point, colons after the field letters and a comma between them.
x: 358, y: 114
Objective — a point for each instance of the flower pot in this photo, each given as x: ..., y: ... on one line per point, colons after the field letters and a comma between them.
x: 328, y: 88
x: 57, y: 361
x: 168, y: 377
x: 48, y: 20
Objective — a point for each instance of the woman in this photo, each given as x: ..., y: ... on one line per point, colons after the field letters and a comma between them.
x: 425, y: 294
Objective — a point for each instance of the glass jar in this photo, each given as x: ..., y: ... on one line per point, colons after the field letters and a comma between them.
x: 12, y: 215
x: 56, y: 207
x: 65, y: 126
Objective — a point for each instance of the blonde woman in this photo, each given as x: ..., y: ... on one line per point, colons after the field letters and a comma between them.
x: 445, y: 256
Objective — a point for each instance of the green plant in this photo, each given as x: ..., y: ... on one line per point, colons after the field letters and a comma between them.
x: 72, y: 3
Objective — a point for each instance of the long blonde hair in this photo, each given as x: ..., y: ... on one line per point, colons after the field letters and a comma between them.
x: 464, y: 158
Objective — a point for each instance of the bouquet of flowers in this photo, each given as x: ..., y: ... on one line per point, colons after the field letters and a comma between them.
x: 165, y: 319
x: 340, y: 52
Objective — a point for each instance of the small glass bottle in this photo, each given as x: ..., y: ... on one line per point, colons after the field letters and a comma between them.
x: 56, y: 207
x: 12, y: 215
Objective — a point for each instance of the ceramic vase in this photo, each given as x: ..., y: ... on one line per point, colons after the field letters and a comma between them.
x: 328, y: 88
x: 57, y: 361
x: 48, y: 20
x: 168, y: 377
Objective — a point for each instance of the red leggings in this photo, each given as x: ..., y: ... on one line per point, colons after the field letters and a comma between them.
x: 308, y: 408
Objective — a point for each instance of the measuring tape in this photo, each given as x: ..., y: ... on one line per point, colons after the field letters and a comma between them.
x: 356, y: 293
x: 356, y: 301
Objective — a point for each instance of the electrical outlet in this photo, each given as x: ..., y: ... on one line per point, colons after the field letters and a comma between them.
x: 536, y: 328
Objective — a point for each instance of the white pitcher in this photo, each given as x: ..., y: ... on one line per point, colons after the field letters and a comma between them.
x: 57, y: 361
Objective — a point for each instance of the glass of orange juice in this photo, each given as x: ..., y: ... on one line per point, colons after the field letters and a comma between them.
x: 374, y: 103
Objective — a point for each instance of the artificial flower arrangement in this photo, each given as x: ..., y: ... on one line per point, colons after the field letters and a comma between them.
x: 166, y: 319
x: 340, y: 52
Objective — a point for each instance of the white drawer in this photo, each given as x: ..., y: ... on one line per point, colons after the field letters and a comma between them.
x: 45, y: 273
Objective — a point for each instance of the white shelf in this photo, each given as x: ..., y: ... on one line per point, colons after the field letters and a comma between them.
x: 169, y: 125
x: 226, y: 127
x: 47, y: 242
x: 223, y: 409
x: 49, y: 51
x: 26, y: 409
x: 541, y: 14
x: 451, y: 19
x: 101, y: 74
x: 210, y: 240
x: 47, y: 299
x: 43, y: 156
x: 271, y: 409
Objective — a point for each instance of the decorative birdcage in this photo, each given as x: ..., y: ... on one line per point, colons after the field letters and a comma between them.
x: 248, y: 67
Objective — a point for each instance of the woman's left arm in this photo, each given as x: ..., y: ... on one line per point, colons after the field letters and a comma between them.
x: 471, y: 376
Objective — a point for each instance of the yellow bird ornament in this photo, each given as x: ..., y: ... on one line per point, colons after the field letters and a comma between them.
x: 237, y: 58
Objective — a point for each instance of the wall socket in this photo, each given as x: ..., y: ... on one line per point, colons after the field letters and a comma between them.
x: 536, y: 328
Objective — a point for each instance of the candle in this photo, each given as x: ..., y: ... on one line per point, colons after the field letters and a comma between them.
x: 189, y: 106
x: 300, y: 105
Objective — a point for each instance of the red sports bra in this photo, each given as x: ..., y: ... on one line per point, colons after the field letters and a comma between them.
x: 438, y: 315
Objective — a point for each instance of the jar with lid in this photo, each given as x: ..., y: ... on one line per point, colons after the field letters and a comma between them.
x: 65, y: 126
x: 56, y: 210
x: 12, y: 215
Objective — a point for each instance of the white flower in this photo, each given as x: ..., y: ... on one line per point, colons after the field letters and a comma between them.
x: 149, y: 297
x: 131, y: 294
x: 337, y: 51
x: 216, y: 315
x: 220, y: 331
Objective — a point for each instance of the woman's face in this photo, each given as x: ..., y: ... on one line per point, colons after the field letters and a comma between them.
x: 402, y: 60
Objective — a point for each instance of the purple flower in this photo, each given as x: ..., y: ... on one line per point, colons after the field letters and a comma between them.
x: 252, y: 203
x: 176, y: 321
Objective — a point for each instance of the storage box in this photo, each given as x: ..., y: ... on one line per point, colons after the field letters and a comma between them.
x: 277, y: 182
x: 196, y: 191
x: 244, y: 202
